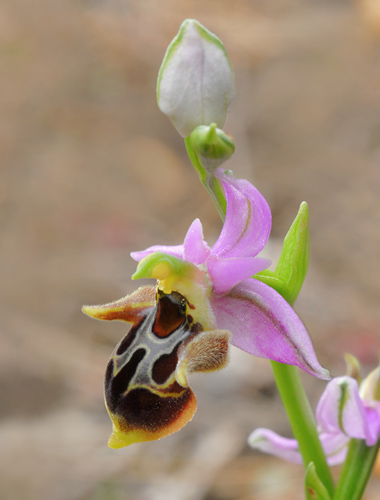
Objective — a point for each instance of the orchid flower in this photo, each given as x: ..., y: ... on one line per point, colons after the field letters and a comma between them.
x: 205, y: 299
x: 344, y: 411
x: 261, y: 322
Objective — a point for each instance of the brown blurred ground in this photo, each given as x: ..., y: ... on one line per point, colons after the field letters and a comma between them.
x: 91, y: 170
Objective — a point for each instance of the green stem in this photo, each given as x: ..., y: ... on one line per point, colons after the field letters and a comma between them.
x: 356, y: 470
x: 301, y: 420
x: 301, y: 417
x: 209, y: 181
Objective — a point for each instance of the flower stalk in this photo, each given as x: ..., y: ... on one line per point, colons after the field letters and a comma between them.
x: 288, y: 280
x: 302, y: 420
x: 208, y: 180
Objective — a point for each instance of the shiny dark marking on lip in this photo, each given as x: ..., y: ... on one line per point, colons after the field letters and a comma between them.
x: 144, y: 409
x: 142, y: 395
x: 108, y: 381
x: 129, y: 338
x: 116, y: 386
x: 171, y: 314
x: 165, y: 366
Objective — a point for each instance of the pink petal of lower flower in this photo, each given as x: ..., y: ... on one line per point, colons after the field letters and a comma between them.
x: 340, y: 409
x: 248, y: 219
x: 373, y: 420
x: 334, y: 446
x: 268, y: 441
x: 262, y: 323
x: 176, y: 250
x: 227, y: 273
x: 196, y: 249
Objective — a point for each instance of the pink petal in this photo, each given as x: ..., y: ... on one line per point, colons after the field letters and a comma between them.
x: 373, y: 421
x: 268, y: 441
x: 263, y: 324
x: 248, y: 219
x: 176, y: 250
x: 340, y: 409
x: 196, y: 249
x: 226, y: 273
x: 334, y: 446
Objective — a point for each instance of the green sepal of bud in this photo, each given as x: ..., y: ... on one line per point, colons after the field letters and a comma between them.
x: 353, y: 367
x: 212, y: 145
x: 293, y: 263
x: 314, y: 488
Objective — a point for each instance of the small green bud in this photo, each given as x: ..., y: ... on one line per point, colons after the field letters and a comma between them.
x: 314, y: 488
x: 212, y: 145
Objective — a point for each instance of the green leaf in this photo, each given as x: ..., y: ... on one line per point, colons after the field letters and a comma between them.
x: 314, y: 488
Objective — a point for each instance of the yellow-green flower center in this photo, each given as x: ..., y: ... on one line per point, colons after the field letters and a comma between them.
x: 191, y: 281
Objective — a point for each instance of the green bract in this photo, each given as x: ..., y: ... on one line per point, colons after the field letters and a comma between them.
x: 293, y: 263
x: 314, y: 488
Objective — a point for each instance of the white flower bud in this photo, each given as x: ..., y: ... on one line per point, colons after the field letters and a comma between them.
x: 196, y: 81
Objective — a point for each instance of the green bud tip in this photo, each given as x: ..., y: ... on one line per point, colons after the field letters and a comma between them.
x: 353, y: 367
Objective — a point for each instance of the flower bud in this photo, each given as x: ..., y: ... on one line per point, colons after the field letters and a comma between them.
x: 370, y: 387
x: 212, y: 145
x: 196, y: 81
x: 353, y: 367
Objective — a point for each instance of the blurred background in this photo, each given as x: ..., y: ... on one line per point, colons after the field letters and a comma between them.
x: 91, y: 170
